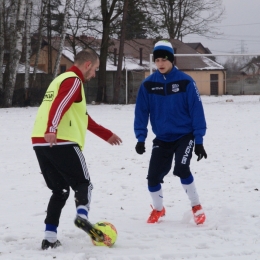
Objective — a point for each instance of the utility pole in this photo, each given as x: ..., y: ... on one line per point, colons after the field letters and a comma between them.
x: 242, y: 46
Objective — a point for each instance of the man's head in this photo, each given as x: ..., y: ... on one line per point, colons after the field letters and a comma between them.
x: 163, y: 56
x: 88, y: 62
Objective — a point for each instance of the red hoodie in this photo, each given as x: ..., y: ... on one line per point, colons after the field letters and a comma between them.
x: 62, y: 98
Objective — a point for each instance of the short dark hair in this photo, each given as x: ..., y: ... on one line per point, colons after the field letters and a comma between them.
x: 86, y: 55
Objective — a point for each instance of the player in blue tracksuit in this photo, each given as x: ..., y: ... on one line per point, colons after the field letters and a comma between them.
x: 171, y: 100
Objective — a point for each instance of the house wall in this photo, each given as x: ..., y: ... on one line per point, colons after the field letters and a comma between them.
x: 202, y: 79
x: 200, y: 49
x: 43, y: 60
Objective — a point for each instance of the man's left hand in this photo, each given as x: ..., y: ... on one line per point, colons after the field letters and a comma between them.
x: 200, y: 151
x: 50, y: 138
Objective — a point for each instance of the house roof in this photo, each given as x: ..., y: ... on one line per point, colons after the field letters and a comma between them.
x: 129, y: 63
x: 55, y: 45
x: 132, y: 49
x: 198, y: 46
x: 208, y: 50
x: 251, y: 68
x: 193, y: 45
x: 132, y: 54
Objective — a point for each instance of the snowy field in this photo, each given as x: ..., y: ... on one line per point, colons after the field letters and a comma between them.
x: 228, y: 183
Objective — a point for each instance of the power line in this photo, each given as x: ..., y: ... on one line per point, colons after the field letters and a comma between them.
x: 233, y: 35
x: 237, y: 24
x: 226, y: 39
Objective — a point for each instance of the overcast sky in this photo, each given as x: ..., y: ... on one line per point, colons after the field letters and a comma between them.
x: 240, y: 27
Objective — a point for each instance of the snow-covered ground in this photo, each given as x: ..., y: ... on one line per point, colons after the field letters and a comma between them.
x: 228, y: 183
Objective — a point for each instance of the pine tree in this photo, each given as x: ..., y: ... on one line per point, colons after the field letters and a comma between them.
x: 136, y: 22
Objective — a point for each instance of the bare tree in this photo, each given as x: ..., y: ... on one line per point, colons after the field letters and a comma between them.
x: 80, y: 26
x: 63, y: 34
x: 39, y: 40
x: 178, y: 18
x: 11, y: 27
x: 120, y: 55
x: 235, y: 63
x: 109, y: 14
x: 2, y: 41
x: 112, y: 26
x: 28, y: 20
x: 16, y: 29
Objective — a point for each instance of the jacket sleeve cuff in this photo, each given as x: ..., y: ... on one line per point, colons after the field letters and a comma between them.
x: 198, y: 139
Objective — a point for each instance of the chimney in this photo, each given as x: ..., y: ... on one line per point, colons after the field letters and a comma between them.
x: 175, y: 58
x: 115, y: 51
x: 141, y: 56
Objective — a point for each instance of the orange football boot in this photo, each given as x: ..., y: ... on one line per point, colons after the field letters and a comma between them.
x: 156, y: 215
x: 198, y: 214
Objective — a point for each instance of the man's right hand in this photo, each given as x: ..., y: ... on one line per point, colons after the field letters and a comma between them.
x: 50, y: 138
x: 140, y: 147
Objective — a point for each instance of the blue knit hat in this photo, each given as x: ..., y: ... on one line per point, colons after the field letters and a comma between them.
x: 163, y: 49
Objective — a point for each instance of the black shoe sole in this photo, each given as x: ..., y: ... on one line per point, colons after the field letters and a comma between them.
x: 46, y: 244
x: 86, y: 226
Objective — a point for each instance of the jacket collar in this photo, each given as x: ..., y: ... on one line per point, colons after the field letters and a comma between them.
x: 167, y: 75
x: 77, y: 71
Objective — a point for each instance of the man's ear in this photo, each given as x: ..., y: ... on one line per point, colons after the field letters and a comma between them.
x: 87, y: 64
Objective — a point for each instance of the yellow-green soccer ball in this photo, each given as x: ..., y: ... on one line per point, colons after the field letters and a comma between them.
x: 109, y: 231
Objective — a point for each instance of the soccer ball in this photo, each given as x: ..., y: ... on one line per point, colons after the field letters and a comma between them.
x: 109, y: 231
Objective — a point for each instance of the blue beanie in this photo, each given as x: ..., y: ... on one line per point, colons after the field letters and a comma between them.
x: 163, y: 49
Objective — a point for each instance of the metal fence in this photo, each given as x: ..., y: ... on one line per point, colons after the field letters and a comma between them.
x: 130, y: 83
x: 243, y: 85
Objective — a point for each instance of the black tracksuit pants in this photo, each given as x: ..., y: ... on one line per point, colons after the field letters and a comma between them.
x: 162, y: 158
x: 64, y: 166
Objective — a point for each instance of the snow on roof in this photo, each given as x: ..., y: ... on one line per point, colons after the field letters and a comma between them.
x: 21, y: 69
x: 130, y: 64
x: 211, y: 64
x: 66, y: 52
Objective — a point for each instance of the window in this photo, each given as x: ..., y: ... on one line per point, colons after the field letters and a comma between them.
x: 62, y: 68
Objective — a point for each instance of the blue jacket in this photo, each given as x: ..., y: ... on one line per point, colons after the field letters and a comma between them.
x: 173, y: 104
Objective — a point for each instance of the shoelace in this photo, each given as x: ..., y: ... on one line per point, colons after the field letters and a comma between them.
x: 153, y: 213
x: 196, y: 208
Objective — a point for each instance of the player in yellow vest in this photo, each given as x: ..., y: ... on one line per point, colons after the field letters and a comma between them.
x: 58, y: 138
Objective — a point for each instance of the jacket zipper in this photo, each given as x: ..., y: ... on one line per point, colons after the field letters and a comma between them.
x: 164, y: 85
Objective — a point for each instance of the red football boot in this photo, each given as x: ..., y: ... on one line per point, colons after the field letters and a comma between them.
x: 156, y: 215
x: 199, y: 215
